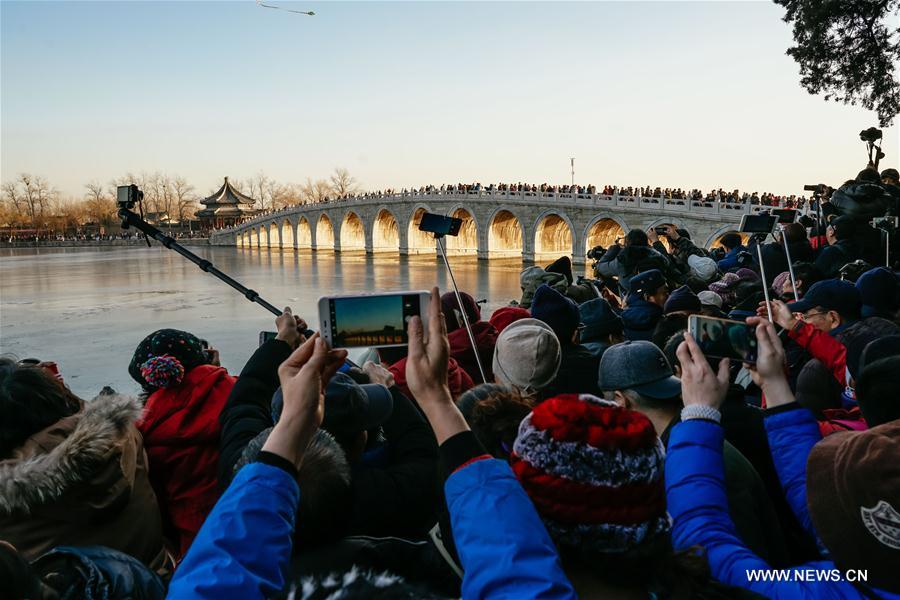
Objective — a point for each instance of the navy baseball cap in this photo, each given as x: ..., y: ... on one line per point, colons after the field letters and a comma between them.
x: 639, y: 366
x: 831, y: 294
x: 349, y: 406
x: 647, y: 282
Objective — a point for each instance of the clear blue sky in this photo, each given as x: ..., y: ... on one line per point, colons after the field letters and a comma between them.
x: 410, y: 93
x: 373, y: 313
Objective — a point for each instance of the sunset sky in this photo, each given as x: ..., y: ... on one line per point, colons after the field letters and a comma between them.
x: 689, y: 94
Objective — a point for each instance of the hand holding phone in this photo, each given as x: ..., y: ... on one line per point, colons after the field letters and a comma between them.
x: 723, y: 338
x: 368, y: 320
x: 769, y: 371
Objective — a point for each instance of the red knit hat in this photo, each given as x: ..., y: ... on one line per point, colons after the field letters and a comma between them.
x: 506, y: 316
x: 594, y: 471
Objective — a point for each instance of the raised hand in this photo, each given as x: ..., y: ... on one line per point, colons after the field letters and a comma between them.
x: 303, y: 377
x: 289, y: 328
x: 780, y: 312
x: 699, y: 384
x: 426, y: 364
x: 768, y: 372
x: 426, y: 372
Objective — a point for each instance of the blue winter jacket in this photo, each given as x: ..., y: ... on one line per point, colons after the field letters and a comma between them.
x: 731, y: 258
x: 695, y: 494
x: 244, y: 547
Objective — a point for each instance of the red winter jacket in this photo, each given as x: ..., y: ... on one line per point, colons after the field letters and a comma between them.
x: 458, y: 380
x: 839, y: 419
x: 181, y: 431
x: 824, y: 347
x: 461, y: 349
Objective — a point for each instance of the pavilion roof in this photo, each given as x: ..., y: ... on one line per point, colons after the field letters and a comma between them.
x: 228, y: 195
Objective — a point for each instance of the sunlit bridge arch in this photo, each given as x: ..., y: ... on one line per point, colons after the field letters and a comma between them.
x: 716, y: 238
x: 353, y: 232
x: 263, y: 236
x: 603, y: 231
x: 287, y: 234
x: 553, y: 236
x: 467, y: 240
x: 304, y: 233
x: 385, y: 232
x: 418, y: 242
x: 274, y: 236
x: 505, y: 235
x: 324, y: 233
x: 254, y: 238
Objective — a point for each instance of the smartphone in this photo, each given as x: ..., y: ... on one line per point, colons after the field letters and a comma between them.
x: 371, y: 319
x: 758, y: 223
x: 724, y: 338
x: 661, y: 230
x: 785, y: 215
x: 265, y: 336
x: 440, y: 224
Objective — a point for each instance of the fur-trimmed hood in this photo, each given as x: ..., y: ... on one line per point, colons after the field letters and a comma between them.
x: 31, y: 479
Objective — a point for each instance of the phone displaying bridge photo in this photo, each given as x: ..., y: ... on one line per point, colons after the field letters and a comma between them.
x: 372, y: 320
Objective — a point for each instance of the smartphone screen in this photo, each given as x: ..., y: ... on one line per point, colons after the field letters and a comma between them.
x: 440, y: 224
x: 758, y: 223
x: 372, y: 320
x: 724, y: 338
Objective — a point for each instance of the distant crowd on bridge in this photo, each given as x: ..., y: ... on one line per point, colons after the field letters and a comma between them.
x: 680, y: 196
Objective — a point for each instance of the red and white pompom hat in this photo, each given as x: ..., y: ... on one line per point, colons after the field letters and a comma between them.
x: 594, y: 471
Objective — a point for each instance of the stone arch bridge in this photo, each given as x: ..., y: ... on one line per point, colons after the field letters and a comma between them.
x: 530, y: 225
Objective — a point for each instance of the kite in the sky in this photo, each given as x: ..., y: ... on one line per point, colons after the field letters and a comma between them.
x: 299, y: 12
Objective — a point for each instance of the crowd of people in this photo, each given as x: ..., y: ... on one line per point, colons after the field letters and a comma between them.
x: 591, y: 439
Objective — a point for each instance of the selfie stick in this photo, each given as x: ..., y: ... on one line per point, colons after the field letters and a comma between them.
x: 462, y: 310
x: 129, y: 219
x: 787, y: 252
x: 762, y: 272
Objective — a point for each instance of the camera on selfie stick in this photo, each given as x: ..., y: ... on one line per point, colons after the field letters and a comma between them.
x: 129, y: 196
x: 440, y: 226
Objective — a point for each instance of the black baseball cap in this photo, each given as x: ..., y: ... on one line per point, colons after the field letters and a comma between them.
x: 831, y: 294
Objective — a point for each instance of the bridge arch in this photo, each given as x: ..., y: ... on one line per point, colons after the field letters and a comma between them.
x: 418, y: 242
x: 505, y: 235
x: 239, y: 240
x: 274, y: 235
x: 353, y: 232
x: 287, y: 234
x: 714, y: 239
x: 304, y: 234
x: 554, y: 235
x: 263, y: 236
x: 467, y: 240
x: 385, y: 232
x: 603, y: 231
x: 324, y: 233
x: 254, y: 238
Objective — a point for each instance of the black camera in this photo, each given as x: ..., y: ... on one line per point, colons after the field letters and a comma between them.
x: 440, y: 225
x: 852, y: 270
x: 870, y: 135
x: 661, y: 230
x: 817, y: 188
x: 128, y: 195
x: 888, y: 224
x: 596, y: 253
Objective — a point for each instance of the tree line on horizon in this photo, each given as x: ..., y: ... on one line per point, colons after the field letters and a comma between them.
x: 32, y: 202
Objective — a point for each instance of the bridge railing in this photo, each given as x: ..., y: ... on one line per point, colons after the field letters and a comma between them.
x: 664, y: 205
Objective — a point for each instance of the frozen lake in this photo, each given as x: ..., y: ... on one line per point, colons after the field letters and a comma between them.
x: 88, y: 308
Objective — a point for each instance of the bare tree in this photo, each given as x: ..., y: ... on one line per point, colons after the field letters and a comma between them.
x: 315, y: 191
x: 185, y: 202
x: 343, y: 184
x: 35, y: 194
x: 98, y: 207
x: 13, y: 203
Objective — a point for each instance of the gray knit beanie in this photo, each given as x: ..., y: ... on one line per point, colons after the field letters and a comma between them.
x: 527, y: 355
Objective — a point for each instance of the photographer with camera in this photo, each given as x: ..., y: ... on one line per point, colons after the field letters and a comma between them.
x: 635, y: 256
x: 734, y: 246
x: 843, y: 247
